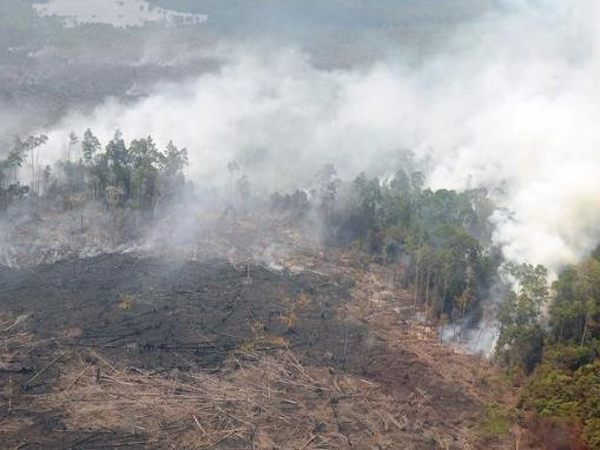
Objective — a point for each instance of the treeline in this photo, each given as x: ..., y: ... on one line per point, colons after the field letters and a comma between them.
x: 440, y: 240
x: 435, y: 240
x: 138, y: 175
x: 552, y: 335
x: 22, y: 153
x: 549, y: 333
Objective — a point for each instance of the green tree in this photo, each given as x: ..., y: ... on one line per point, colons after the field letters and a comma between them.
x: 90, y: 146
x: 143, y: 159
x: 29, y: 147
x: 172, y: 164
x: 400, y: 184
x: 575, y: 308
x: 117, y: 164
x: 521, y: 337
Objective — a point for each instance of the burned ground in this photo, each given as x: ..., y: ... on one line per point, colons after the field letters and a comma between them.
x: 90, y: 340
x: 145, y: 310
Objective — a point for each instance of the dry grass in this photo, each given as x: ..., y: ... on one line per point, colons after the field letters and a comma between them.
x: 14, y: 343
x: 385, y: 306
x: 14, y: 347
x: 255, y: 401
x: 259, y: 402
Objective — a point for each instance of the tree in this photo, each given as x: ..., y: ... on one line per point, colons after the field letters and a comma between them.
x: 328, y: 185
x: 458, y: 252
x: 143, y: 160
x: 588, y: 293
x: 172, y: 164
x: 469, y: 295
x: 243, y: 187
x: 400, y: 184
x: 117, y: 164
x: 326, y: 175
x: 369, y: 194
x: 90, y: 146
x: 521, y: 337
x: 417, y: 181
x: 366, y: 217
x: 426, y: 262
x: 174, y: 161
x: 576, y: 303
x: 29, y: 147
x: 232, y: 167
x: 9, y: 166
x: 73, y: 141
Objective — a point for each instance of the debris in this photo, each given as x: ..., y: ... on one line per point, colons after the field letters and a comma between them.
x: 331, y: 357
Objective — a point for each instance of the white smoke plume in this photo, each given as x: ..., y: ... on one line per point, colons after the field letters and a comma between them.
x: 510, y: 103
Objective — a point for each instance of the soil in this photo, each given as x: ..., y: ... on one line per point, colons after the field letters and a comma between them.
x: 246, y: 335
x: 120, y: 314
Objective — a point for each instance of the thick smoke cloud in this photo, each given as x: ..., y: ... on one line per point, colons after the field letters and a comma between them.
x: 510, y: 104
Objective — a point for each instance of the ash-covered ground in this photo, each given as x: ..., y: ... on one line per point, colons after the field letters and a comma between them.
x: 306, y: 349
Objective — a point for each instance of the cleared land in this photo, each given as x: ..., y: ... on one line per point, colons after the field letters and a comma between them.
x: 142, y: 351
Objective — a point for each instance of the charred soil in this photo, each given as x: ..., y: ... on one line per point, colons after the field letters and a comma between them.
x: 145, y: 352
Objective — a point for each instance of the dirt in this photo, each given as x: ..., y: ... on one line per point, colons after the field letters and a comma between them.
x: 169, y: 316
x: 203, y: 309
x: 162, y: 349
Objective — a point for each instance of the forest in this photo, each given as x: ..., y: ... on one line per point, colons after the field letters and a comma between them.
x: 138, y: 176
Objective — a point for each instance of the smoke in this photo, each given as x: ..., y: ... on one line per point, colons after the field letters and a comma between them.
x: 510, y: 103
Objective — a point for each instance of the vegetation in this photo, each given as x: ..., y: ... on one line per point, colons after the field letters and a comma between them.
x: 560, y: 350
x: 521, y: 336
x: 549, y: 334
x: 21, y: 26
x: 138, y: 175
x: 437, y: 242
x: 434, y: 240
x: 496, y: 421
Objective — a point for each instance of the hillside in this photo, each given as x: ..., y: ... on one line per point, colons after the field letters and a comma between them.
x: 149, y: 352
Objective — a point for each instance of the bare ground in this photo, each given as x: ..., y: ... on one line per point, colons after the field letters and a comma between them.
x: 138, y: 351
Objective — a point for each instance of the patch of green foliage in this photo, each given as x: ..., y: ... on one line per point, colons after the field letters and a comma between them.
x: 495, y: 422
x: 521, y: 338
x: 138, y: 175
x: 561, y: 352
x: 559, y: 392
x: 434, y: 239
x: 436, y: 236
